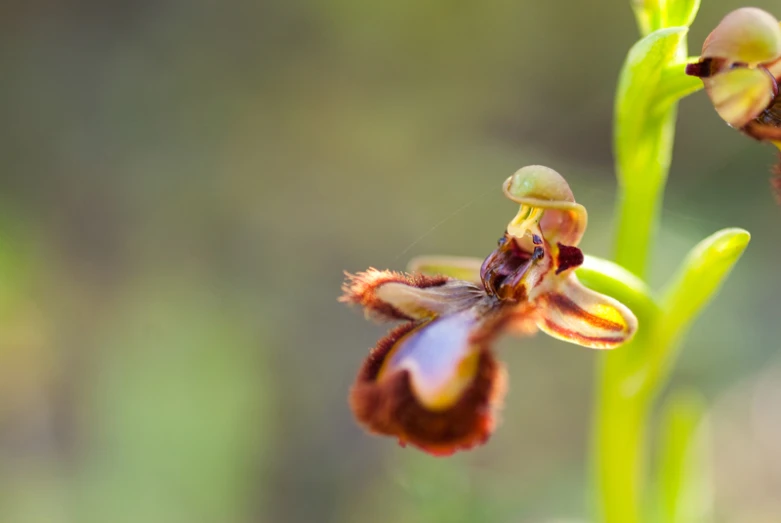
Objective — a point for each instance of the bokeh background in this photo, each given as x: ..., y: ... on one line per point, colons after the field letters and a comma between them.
x: 182, y: 183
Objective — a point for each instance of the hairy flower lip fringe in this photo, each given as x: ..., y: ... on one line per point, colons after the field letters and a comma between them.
x: 390, y: 407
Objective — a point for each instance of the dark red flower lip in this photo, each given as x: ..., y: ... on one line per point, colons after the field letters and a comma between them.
x: 388, y: 406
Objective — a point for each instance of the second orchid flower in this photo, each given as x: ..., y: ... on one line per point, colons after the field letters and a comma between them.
x: 740, y: 67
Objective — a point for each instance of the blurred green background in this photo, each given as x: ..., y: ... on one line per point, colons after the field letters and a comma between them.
x: 182, y: 184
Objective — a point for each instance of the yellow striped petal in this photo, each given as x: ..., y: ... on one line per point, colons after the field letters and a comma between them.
x: 571, y: 312
x: 740, y: 95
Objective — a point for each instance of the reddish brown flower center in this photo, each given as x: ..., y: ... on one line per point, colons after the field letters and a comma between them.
x: 502, y: 272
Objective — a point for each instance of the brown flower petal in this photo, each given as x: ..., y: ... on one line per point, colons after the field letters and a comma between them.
x: 389, y: 406
x: 767, y: 126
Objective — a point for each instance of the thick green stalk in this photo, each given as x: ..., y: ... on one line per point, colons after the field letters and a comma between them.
x: 623, y: 409
x: 643, y: 161
x: 630, y: 379
x: 644, y: 128
x: 683, y: 493
x: 620, y: 444
x: 643, y: 140
x: 637, y: 219
x: 620, y: 430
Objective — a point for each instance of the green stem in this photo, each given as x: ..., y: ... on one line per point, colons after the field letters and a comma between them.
x: 630, y: 379
x: 676, y: 84
x: 620, y: 430
x: 646, y: 15
x: 623, y: 404
x: 620, y: 446
x: 644, y: 132
x: 643, y: 156
x: 683, y: 491
x: 637, y: 218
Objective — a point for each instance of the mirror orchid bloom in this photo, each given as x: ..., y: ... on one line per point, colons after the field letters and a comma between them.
x: 434, y: 381
x: 740, y: 67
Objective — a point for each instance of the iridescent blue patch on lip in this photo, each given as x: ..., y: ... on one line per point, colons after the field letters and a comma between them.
x: 437, y: 356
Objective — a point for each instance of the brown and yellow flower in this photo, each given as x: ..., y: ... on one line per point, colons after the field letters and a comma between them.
x: 740, y: 66
x: 433, y: 381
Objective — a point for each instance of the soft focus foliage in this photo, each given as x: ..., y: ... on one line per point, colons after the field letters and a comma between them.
x: 182, y: 184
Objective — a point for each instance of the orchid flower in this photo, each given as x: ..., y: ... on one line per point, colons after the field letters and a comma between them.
x: 741, y: 68
x: 433, y: 381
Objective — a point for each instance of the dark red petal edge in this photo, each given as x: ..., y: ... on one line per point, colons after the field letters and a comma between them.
x: 390, y: 408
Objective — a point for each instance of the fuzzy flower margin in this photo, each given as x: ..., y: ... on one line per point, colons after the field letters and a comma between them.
x: 434, y: 381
